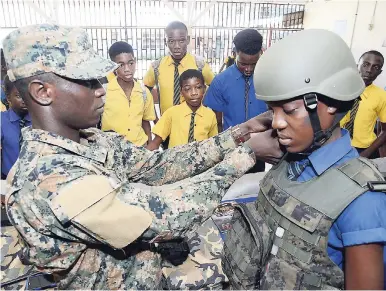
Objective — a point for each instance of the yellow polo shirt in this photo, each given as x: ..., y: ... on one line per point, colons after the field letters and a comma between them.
x: 175, y: 123
x: 166, y: 77
x: 371, y: 107
x: 126, y: 117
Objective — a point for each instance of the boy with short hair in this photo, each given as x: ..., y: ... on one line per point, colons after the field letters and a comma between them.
x: 12, y: 122
x: 165, y: 72
x: 129, y: 106
x: 190, y: 121
x: 361, y: 120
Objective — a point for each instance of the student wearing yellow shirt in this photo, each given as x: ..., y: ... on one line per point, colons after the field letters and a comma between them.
x: 190, y: 121
x: 129, y: 107
x: 371, y: 105
x: 165, y: 72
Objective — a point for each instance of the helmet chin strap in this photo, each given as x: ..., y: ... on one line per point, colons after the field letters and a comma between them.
x: 320, y: 136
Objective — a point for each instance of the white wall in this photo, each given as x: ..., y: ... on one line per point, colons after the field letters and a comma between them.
x: 339, y: 16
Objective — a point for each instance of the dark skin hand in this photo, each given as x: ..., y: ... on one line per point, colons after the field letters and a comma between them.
x: 266, y: 146
x: 155, y: 143
x: 377, y: 144
x: 364, y: 267
x: 262, y: 139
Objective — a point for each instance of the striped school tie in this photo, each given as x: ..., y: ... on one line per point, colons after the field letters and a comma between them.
x: 350, y: 124
x: 246, y: 96
x: 191, y: 128
x: 177, y: 88
x: 22, y: 124
x: 295, y: 169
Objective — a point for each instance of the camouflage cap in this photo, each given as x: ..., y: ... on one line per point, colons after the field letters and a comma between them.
x: 63, y: 50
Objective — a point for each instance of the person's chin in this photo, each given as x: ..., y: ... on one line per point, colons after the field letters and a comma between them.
x: 177, y: 56
x: 127, y: 79
x: 194, y: 104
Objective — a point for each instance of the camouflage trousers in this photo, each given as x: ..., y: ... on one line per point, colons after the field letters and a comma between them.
x: 202, y: 269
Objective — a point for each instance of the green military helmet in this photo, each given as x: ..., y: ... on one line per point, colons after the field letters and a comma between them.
x: 309, y: 61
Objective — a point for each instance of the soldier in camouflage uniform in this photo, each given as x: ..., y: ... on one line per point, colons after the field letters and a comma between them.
x: 320, y: 220
x: 90, y: 207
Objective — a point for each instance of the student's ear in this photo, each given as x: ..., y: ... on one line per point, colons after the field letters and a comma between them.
x: 165, y: 42
x: 42, y: 93
x: 188, y: 39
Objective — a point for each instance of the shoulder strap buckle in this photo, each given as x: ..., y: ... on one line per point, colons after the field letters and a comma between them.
x: 377, y: 186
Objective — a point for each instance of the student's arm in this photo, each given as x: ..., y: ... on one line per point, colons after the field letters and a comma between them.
x: 155, y: 143
x: 214, y: 129
x: 379, y: 142
x: 361, y: 229
x: 364, y: 267
x: 219, y: 121
x: 154, y: 93
x: 163, y: 128
x: 147, y: 129
x: 148, y: 114
x: 381, y: 139
x: 149, y: 78
x: 208, y: 74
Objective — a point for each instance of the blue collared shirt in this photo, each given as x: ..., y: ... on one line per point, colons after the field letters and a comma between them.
x: 226, y: 94
x: 364, y: 220
x: 10, y: 136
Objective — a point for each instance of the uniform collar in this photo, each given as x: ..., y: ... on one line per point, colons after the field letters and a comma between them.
x: 170, y: 61
x: 187, y: 111
x: 364, y: 95
x: 113, y: 85
x: 236, y: 72
x: 13, y: 116
x: 328, y: 155
x: 96, y: 152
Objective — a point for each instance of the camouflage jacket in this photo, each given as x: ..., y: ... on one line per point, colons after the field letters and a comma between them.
x: 68, y: 200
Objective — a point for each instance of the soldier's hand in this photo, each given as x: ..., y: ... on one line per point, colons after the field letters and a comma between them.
x: 259, y: 123
x: 266, y: 146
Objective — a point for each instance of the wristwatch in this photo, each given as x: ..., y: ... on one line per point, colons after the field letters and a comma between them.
x: 238, y: 136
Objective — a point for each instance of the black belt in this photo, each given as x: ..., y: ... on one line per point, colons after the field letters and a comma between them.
x: 175, y: 251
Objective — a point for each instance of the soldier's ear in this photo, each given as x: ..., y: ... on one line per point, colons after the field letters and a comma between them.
x: 41, y: 92
x: 331, y: 109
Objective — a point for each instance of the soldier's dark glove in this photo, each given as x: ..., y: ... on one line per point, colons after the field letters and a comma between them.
x: 175, y: 251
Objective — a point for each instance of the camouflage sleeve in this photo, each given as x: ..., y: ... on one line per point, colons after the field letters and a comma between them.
x: 117, y: 214
x: 137, y: 164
